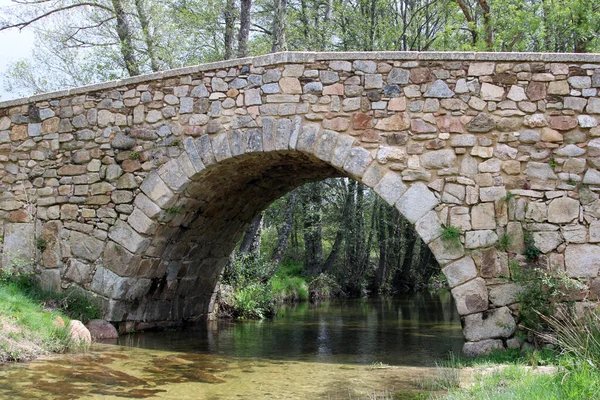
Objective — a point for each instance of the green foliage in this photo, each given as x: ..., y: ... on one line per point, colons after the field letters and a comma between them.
x: 577, y: 336
x: 552, y: 163
x: 323, y: 287
x: 531, y: 251
x: 134, y: 155
x: 451, y: 235
x: 41, y: 244
x: 540, y: 290
x: 175, y: 210
x: 504, y: 242
x: 254, y: 301
x: 509, y: 195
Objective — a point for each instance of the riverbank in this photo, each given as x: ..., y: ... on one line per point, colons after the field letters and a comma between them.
x: 34, y: 323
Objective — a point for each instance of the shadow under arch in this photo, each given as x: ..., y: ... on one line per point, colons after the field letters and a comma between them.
x: 192, y: 210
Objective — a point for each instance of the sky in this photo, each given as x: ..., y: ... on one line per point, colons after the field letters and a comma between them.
x: 14, y: 45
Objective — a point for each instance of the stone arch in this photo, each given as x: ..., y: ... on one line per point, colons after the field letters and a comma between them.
x: 459, y: 130
x: 191, y: 211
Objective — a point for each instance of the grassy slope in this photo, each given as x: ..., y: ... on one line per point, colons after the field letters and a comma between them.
x: 27, y: 329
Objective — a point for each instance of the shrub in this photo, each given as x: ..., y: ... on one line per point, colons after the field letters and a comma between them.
x: 324, y: 287
x: 451, y: 235
x: 254, y: 301
x: 531, y: 251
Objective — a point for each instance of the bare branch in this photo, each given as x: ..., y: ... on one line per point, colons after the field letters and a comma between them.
x: 24, y: 24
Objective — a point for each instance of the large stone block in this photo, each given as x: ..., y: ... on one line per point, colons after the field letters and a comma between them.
x: 85, y: 247
x: 471, y: 297
x: 126, y: 236
x: 417, y: 201
x: 390, y: 187
x: 582, y: 260
x: 473, y: 349
x: 460, y: 271
x: 429, y: 227
x: 158, y: 191
x: 492, y: 324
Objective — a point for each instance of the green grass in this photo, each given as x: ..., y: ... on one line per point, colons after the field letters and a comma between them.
x: 29, y: 318
x: 288, y: 283
x: 517, y: 382
x: 28, y: 330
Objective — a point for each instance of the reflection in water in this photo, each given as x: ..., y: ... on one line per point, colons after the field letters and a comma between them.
x: 309, y: 351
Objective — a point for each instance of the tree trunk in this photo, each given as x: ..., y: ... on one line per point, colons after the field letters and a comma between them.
x: 251, y: 242
x: 140, y: 7
x: 339, y: 237
x: 279, y: 42
x: 244, y: 28
x: 229, y: 15
x: 313, y: 245
x: 126, y: 44
x: 283, y: 233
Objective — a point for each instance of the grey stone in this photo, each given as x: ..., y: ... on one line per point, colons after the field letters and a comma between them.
x: 122, y: 142
x: 460, y: 271
x: 582, y: 260
x: 154, y: 187
x: 471, y: 297
x: 482, y: 123
x: 398, y: 76
x: 563, y: 210
x: 505, y: 294
x: 497, y: 323
x: 480, y: 238
x: 123, y: 234
x: 438, y: 159
x: 429, y: 227
x: 417, y: 201
x: 390, y: 187
x: 439, y: 89
x: 84, y: 246
x: 18, y: 245
x: 357, y: 161
x: 473, y: 349
x: 368, y: 67
x: 541, y: 171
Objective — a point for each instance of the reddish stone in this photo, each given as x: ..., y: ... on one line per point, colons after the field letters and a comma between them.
x: 435, y: 144
x: 101, y: 329
x: 397, y: 104
x: 420, y: 75
x: 536, y: 91
x: 20, y: 216
x: 131, y: 165
x: 336, y: 89
x: 18, y: 132
x: 194, y: 131
x: 449, y: 124
x: 70, y: 170
x: 420, y: 126
x: 362, y: 121
x: 563, y: 123
x: 370, y: 136
x: 336, y: 124
x: 50, y: 125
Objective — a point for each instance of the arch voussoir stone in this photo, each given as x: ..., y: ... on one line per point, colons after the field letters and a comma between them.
x: 141, y: 201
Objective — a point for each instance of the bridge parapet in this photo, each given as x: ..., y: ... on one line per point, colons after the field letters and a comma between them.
x: 136, y: 190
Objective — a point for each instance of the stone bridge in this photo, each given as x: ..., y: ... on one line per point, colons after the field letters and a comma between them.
x: 136, y: 190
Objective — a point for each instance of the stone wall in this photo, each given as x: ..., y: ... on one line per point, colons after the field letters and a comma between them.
x: 137, y: 190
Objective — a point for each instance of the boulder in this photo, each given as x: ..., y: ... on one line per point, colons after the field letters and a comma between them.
x: 100, y: 329
x: 78, y: 333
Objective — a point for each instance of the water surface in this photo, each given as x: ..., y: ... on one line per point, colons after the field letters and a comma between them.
x: 334, y: 350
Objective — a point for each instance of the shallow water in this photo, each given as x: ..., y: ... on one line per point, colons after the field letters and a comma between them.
x: 335, y: 350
